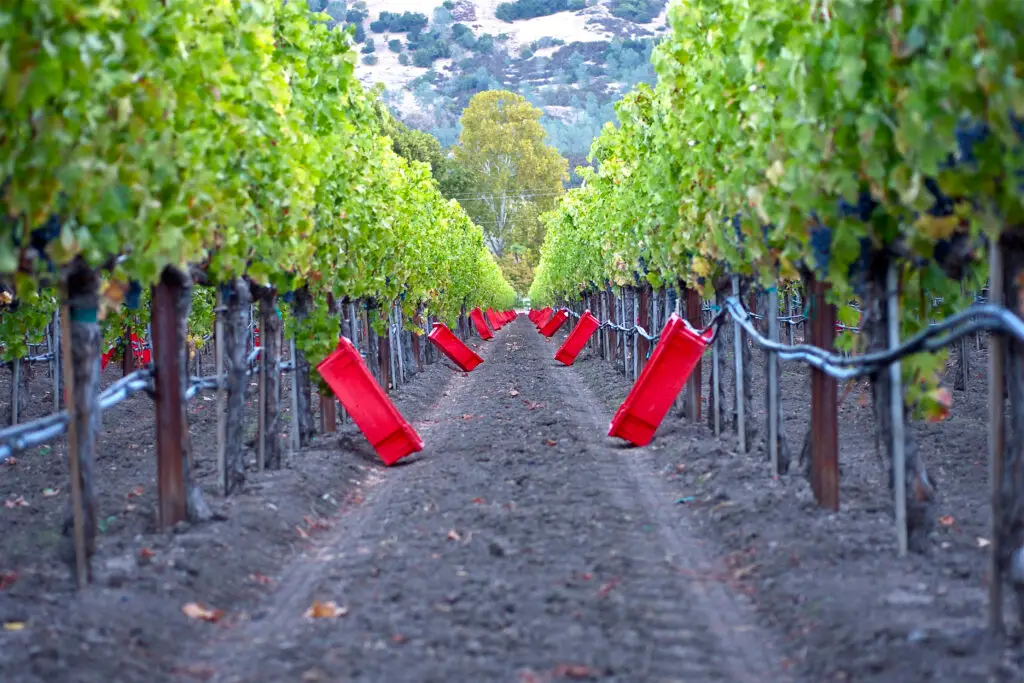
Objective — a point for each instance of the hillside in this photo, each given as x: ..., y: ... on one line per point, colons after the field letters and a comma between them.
x: 573, y: 62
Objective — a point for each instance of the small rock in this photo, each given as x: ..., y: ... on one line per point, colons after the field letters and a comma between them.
x: 495, y: 549
x: 918, y: 635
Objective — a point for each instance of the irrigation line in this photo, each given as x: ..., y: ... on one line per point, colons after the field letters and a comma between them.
x: 38, y: 432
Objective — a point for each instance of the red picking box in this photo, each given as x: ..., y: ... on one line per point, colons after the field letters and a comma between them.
x: 551, y: 326
x: 451, y: 346
x: 481, y: 326
x: 371, y: 409
x: 677, y: 353
x: 492, y: 317
x: 577, y: 339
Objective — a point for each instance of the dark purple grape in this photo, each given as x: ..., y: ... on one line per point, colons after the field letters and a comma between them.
x: 133, y: 297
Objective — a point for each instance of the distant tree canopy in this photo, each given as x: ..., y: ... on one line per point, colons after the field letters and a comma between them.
x: 514, y: 174
x: 528, y: 9
x: 415, y: 145
x: 640, y: 11
x: 407, y: 22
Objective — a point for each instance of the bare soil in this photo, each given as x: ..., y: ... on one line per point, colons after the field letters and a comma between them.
x: 831, y: 583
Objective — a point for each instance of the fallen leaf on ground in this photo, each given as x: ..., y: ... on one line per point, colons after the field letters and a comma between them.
x: 551, y: 442
x: 136, y: 492
x: 11, y: 462
x: 18, y: 502
x: 398, y: 638
x: 7, y: 579
x: 260, y: 579
x: 577, y: 671
x: 453, y: 535
x: 50, y: 493
x: 146, y: 553
x: 513, y: 393
x: 607, y: 588
x: 302, y: 532
x: 325, y: 610
x: 946, y: 520
x: 478, y: 501
x: 14, y: 626
x: 200, y: 612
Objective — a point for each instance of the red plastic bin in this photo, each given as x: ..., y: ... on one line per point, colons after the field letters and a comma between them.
x: 481, y: 326
x: 674, y: 358
x: 451, y: 346
x: 492, y: 317
x: 384, y: 427
x: 543, y: 318
x: 577, y: 339
x: 551, y: 326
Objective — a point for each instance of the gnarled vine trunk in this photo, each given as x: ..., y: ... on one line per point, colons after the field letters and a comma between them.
x: 237, y: 300
x: 301, y: 307
x: 270, y: 381
x: 83, y: 304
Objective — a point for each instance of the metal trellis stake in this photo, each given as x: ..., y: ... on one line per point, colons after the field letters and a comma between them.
x: 773, y: 381
x: 741, y: 427
x: 896, y: 401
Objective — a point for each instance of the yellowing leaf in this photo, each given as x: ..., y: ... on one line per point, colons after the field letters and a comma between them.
x: 14, y: 626
x: 325, y: 610
x: 200, y: 612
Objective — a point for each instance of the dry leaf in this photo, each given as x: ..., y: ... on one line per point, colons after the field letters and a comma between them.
x: 14, y: 626
x: 302, y: 532
x: 325, y: 610
x: 146, y: 554
x: 200, y: 612
x: 11, y: 462
x: 576, y: 671
x: 513, y: 393
x: 478, y: 501
x: 260, y: 579
x: 135, y: 492
x: 18, y: 502
x: 551, y: 442
x: 398, y: 638
x: 7, y: 579
x: 453, y: 535
x: 946, y: 520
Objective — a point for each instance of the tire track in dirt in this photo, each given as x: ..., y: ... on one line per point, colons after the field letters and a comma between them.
x: 522, y: 545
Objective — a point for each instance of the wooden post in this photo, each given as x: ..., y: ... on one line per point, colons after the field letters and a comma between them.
x: 269, y: 441
x: 15, y: 389
x: 170, y: 404
x: 82, y: 568
x: 128, y: 353
x: 55, y: 367
x: 81, y: 378
x: 824, y: 404
x: 236, y: 337
x: 222, y: 392
x: 694, y: 314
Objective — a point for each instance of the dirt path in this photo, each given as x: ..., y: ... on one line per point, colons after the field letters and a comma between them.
x: 521, y: 545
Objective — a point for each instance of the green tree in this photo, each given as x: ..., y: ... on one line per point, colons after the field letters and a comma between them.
x: 514, y: 175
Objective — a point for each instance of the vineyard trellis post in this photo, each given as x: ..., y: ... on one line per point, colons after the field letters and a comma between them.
x: 741, y: 423
x: 773, y: 381
x: 15, y: 389
x: 716, y: 391
x: 236, y: 341
x: 896, y: 390
x: 997, y: 348
x: 791, y: 325
x: 55, y: 361
x: 823, y: 435
x: 644, y: 320
x: 222, y: 390
x: 694, y: 314
x: 296, y: 431
x: 301, y: 304
x: 268, y: 454
x: 171, y: 421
